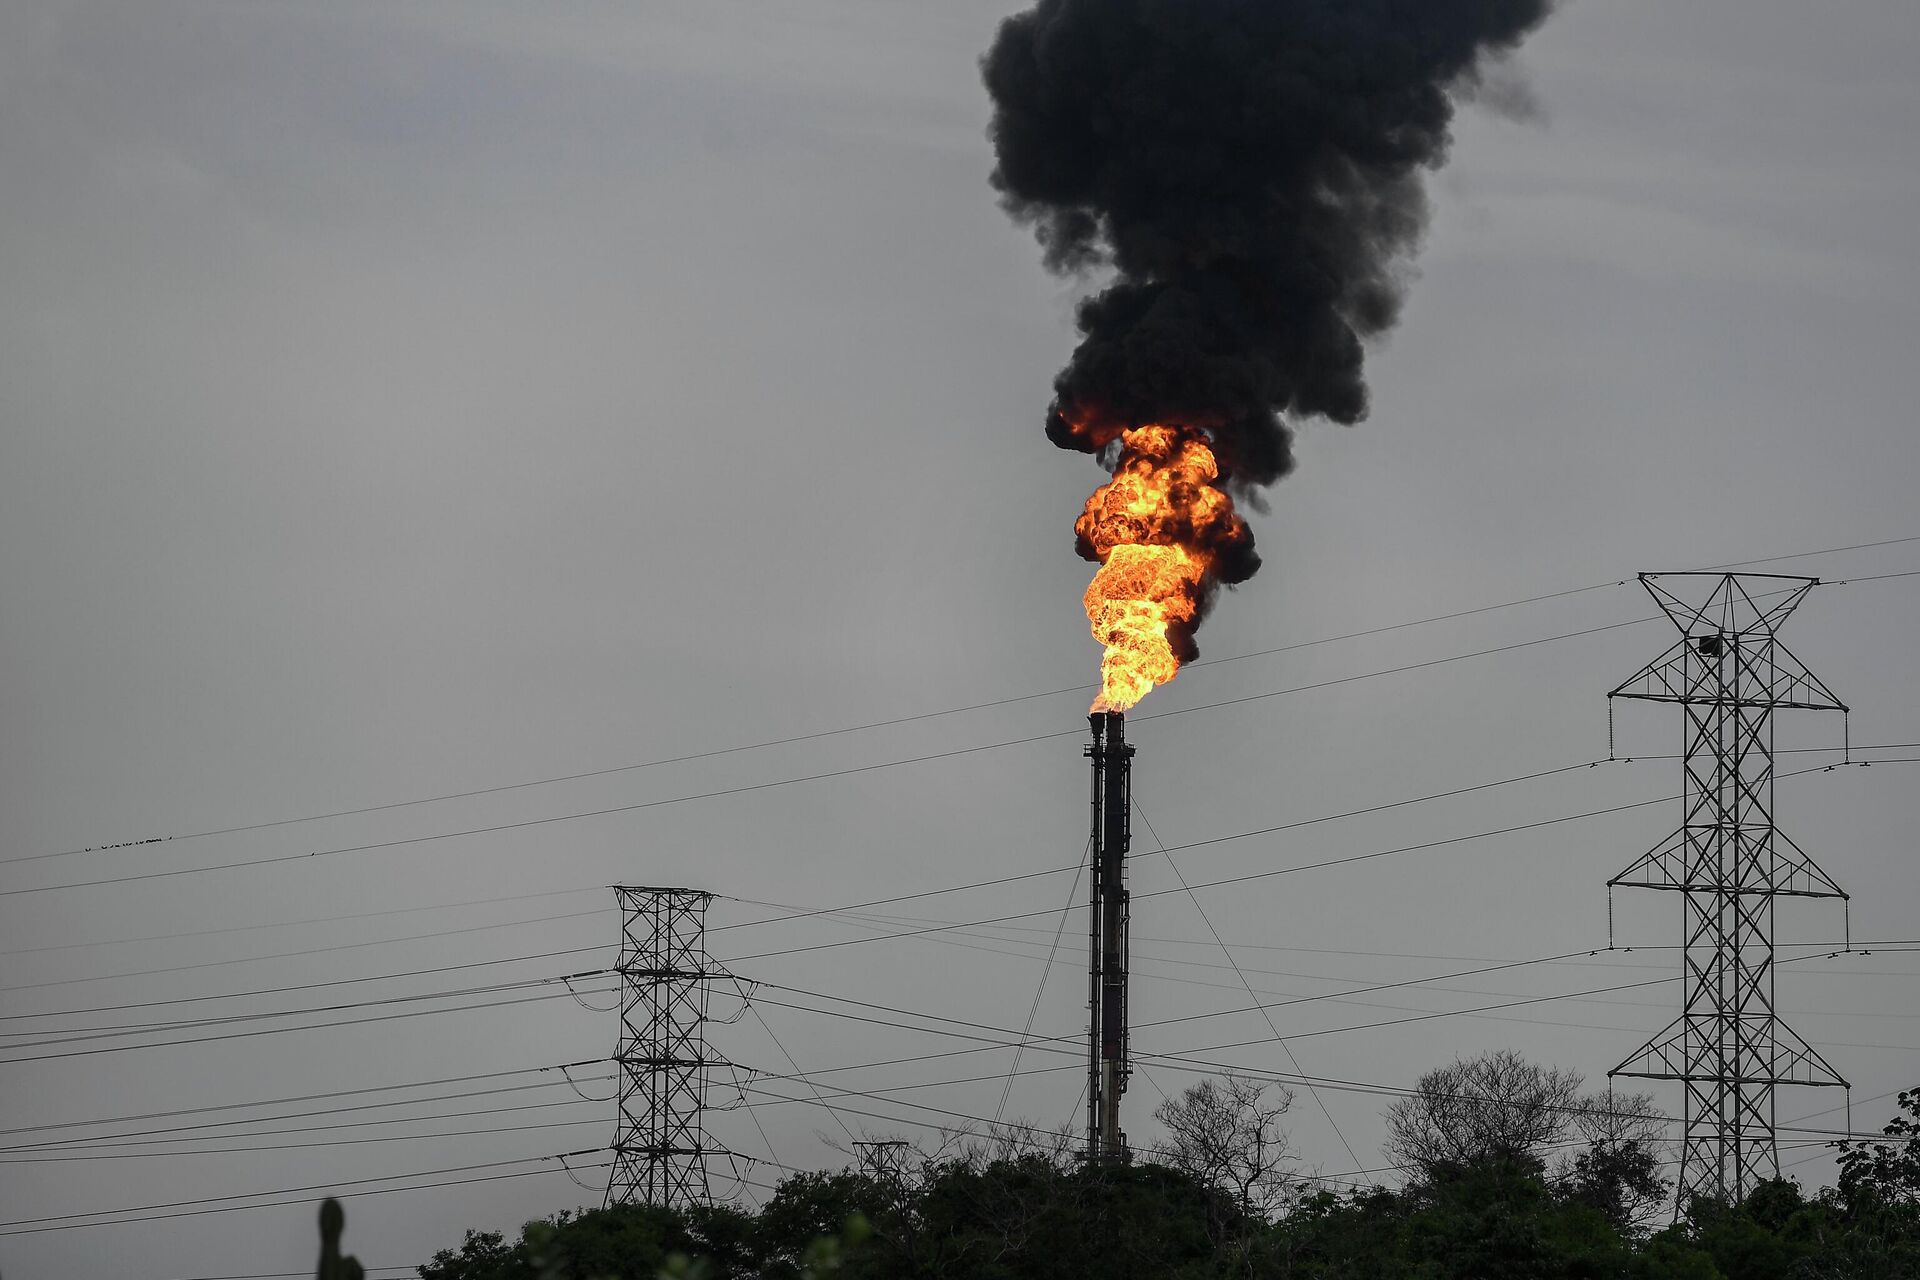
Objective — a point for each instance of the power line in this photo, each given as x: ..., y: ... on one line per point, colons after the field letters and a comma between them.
x: 529, y: 822
x: 787, y: 741
x: 758, y: 1127
x: 1190, y: 845
x: 1138, y: 960
x: 753, y: 787
x: 1390, y: 671
x: 1178, y: 1063
x: 1311, y: 866
x: 268, y: 1031
x: 115, y: 1217
x: 1318, y: 1101
x: 562, y: 1067
x: 885, y: 1095
x: 805, y: 913
x: 1177, y: 873
x: 747, y: 788
x: 76, y: 1035
x: 1806, y: 555
x: 998, y: 1130
x: 1339, y: 997
x: 1447, y: 1013
x: 1872, y: 577
x: 1190, y: 1063
x: 196, y: 1133
x: 73, y: 1156
x: 1305, y: 822
x: 799, y: 1074
x: 289, y: 924
x: 200, y: 1131
x: 1330, y: 1082
x: 894, y: 921
x: 1422, y: 1017
x: 1311, y: 999
x: 304, y: 986
x: 1362, y: 857
x: 996, y: 934
x: 999, y: 1127
x: 1000, y: 1037
x: 907, y: 719
x: 1046, y: 972
x: 1168, y: 1060
x: 308, y: 951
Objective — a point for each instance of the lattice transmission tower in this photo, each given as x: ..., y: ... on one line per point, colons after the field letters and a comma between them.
x: 1728, y: 673
x: 660, y: 1148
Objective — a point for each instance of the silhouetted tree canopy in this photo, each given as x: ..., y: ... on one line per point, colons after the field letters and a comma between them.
x: 1496, y: 1108
x: 1561, y: 1189
x: 1226, y: 1134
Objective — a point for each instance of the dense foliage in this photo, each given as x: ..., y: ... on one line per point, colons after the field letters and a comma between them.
x: 1016, y: 1213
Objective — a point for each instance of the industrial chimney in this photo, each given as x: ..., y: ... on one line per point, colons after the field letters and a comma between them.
x: 1107, y: 1063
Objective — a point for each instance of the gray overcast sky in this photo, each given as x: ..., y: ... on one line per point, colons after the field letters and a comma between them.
x: 407, y: 399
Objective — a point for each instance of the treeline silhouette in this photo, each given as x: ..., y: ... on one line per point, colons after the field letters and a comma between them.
x: 1504, y: 1171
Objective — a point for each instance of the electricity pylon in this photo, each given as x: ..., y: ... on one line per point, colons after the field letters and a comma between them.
x: 1729, y: 673
x: 660, y: 1148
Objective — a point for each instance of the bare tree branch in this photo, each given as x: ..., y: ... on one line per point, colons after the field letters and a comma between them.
x: 1226, y: 1134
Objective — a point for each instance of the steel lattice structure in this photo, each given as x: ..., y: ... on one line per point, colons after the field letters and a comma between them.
x: 660, y: 1148
x: 1728, y: 673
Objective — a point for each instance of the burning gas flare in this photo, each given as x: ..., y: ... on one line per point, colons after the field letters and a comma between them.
x: 1245, y: 183
x: 1158, y: 529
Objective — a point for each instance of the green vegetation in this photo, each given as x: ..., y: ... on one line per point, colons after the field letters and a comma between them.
x: 1490, y: 1194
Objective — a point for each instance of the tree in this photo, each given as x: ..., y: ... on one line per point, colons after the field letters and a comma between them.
x: 1885, y: 1172
x: 483, y: 1255
x: 1497, y: 1107
x: 1058, y: 1146
x: 810, y: 1206
x: 1619, y: 1172
x: 1226, y: 1134
x: 619, y: 1242
x: 1030, y: 1219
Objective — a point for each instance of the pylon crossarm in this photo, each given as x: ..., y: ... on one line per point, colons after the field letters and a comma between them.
x: 1673, y: 1054
x: 1705, y: 602
x: 1770, y: 618
x: 1688, y: 617
x: 1774, y: 679
x: 1650, y: 871
x: 1796, y: 874
x: 1802, y: 689
x: 1662, y: 680
x: 1657, y: 1059
x: 1803, y: 1064
x: 1681, y: 863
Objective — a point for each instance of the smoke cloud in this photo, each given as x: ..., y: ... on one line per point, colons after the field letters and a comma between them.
x: 1251, y: 172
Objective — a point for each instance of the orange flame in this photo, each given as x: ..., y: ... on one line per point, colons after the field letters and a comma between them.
x: 1154, y: 528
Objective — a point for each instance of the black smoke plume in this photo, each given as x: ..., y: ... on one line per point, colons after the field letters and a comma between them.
x: 1251, y: 171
